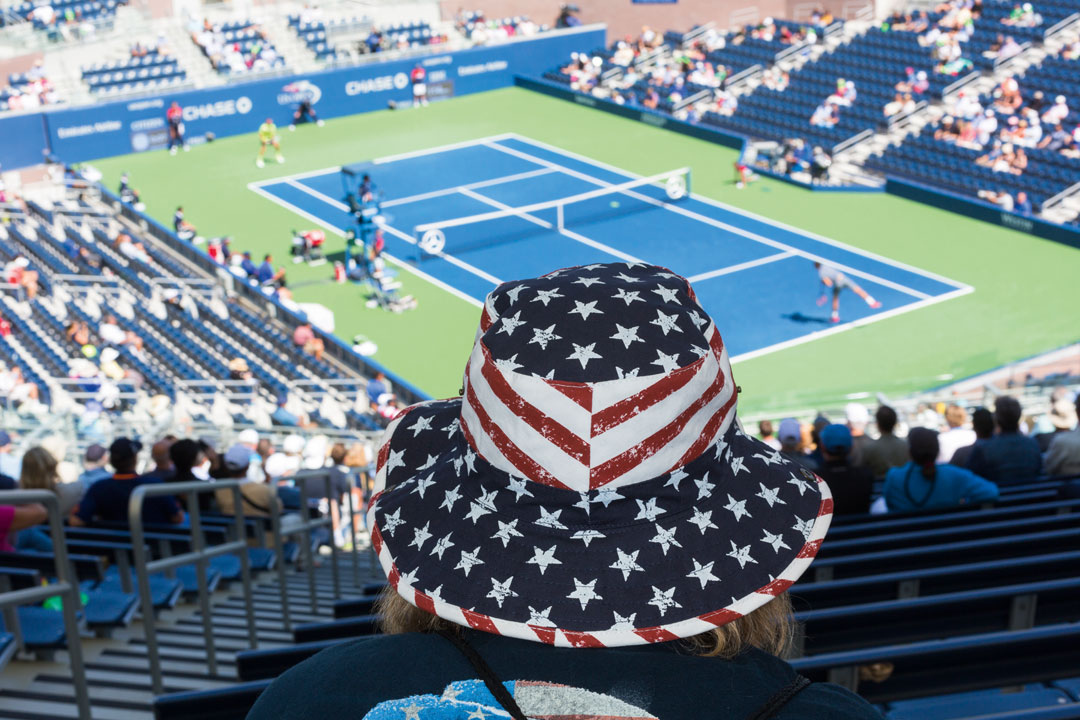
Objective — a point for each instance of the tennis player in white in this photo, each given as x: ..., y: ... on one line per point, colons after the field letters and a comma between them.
x: 833, y: 278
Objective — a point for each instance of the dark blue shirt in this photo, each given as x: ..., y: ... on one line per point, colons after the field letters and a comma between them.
x: 8, y: 483
x: 248, y: 266
x: 654, y: 679
x: 265, y: 272
x: 177, y: 220
x: 375, y: 388
x: 107, y: 500
x: 1007, y: 459
x: 1024, y: 208
x: 281, y: 416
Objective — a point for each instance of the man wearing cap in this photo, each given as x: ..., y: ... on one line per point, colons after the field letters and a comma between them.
x: 790, y: 436
x: 107, y: 499
x: 1063, y: 456
x: 591, y: 491
x: 257, y: 496
x: 851, y: 484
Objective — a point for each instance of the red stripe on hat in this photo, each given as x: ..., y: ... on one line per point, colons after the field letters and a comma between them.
x: 810, y: 549
x: 708, y: 434
x: 479, y: 621
x: 525, y: 464
x: 486, y: 321
x: 629, y: 407
x: 581, y: 393
x: 655, y: 634
x: 546, y: 635
x: 582, y: 639
x: 394, y: 576
x: 376, y: 539
x: 720, y: 617
x: 617, y: 466
x: 826, y: 507
x: 776, y: 587
x: 424, y: 602
x: 532, y: 416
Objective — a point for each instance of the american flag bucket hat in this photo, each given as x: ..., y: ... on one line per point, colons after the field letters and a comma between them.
x: 591, y: 487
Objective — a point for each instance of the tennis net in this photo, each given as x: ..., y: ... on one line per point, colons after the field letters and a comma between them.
x: 508, y: 224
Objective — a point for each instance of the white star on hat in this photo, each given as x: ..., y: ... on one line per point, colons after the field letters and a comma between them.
x: 804, y: 526
x: 517, y: 486
x: 742, y: 554
x: 607, y: 495
x: 546, y: 296
x: 623, y: 623
x: 584, y: 354
x: 665, y: 361
x: 543, y: 558
x: 649, y: 511
x: 663, y: 600
x: 670, y: 295
x: 628, y: 296
x: 737, y: 508
x: 627, y: 562
x: 773, y: 458
x: 542, y: 336
x: 422, y: 423
x: 451, y: 497
x: 800, y: 483
x: 626, y: 335
x: 549, y: 519
x: 677, y: 476
x: 703, y: 520
x: 391, y: 521
x: 704, y: 487
x: 665, y: 538
x: 770, y: 495
x: 501, y: 590
x: 395, y: 460
x: 468, y: 560
x: 667, y: 323
x: 587, y: 536
x: 584, y: 592
x: 585, y: 309
x: 420, y: 536
x: 540, y: 617
x: 423, y: 484
x: 508, y: 364
x: 776, y: 541
x: 703, y: 573
x: 484, y: 505
x: 588, y: 281
x: 442, y: 545
x: 513, y: 293
x: 510, y: 323
x: 507, y: 531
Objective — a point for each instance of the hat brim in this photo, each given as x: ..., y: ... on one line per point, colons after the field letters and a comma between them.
x: 654, y: 561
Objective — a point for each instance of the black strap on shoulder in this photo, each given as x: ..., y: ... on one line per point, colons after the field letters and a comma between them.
x: 780, y: 699
x: 491, y: 680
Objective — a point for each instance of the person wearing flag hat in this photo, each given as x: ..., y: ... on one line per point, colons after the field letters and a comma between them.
x: 586, y: 532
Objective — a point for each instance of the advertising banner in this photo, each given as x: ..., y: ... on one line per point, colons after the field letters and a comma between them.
x: 138, y: 125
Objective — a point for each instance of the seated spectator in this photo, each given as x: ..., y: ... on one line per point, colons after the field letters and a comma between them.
x: 163, y: 470
x: 239, y: 370
x: 15, y: 518
x: 1057, y: 139
x: 1008, y: 458
x: 825, y: 115
x: 982, y: 423
x: 183, y: 229
x: 1009, y: 48
x: 851, y: 485
x: 1057, y: 112
x: 258, y: 497
x: 376, y: 387
x: 888, y: 451
x: 1023, y: 203
x: 1000, y: 198
x: 791, y: 444
x: 923, y: 484
x: 1008, y: 99
x: 107, y: 499
x: 857, y: 416
x: 1063, y: 455
x: 765, y: 432
x: 18, y: 272
x: 94, y: 461
x: 948, y: 130
x: 247, y: 265
x: 958, y: 434
x: 282, y: 416
x: 17, y: 391
x: 112, y: 334
x: 1022, y: 16
x: 39, y: 472
x: 985, y: 127
x: 568, y: 682
x: 130, y: 248
x: 902, y: 104
x: 305, y: 339
x: 266, y: 274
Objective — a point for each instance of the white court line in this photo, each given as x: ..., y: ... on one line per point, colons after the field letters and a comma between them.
x: 722, y: 225
x: 543, y: 223
x: 746, y: 213
x: 388, y: 158
x: 393, y: 231
x: 741, y: 266
x: 862, y: 322
x: 408, y: 267
x: 481, y: 184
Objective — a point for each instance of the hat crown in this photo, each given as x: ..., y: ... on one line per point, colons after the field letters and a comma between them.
x: 599, y: 375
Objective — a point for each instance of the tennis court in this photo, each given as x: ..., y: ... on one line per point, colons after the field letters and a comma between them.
x: 754, y: 275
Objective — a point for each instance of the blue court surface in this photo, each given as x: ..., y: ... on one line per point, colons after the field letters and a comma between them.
x: 754, y: 276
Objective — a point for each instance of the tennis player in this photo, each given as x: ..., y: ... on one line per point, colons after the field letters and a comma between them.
x: 268, y: 136
x: 833, y: 278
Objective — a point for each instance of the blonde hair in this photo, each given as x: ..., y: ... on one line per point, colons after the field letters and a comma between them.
x: 39, y: 470
x: 770, y: 628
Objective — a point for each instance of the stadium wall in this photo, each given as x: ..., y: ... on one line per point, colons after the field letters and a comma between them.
x: 116, y: 128
x: 987, y: 212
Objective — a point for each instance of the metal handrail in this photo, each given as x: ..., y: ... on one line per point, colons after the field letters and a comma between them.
x: 200, y: 555
x: 67, y: 587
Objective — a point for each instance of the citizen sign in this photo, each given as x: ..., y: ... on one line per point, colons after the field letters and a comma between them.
x: 377, y: 84
x: 221, y: 108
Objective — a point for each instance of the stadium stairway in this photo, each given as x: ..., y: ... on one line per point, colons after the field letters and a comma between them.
x: 116, y: 666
